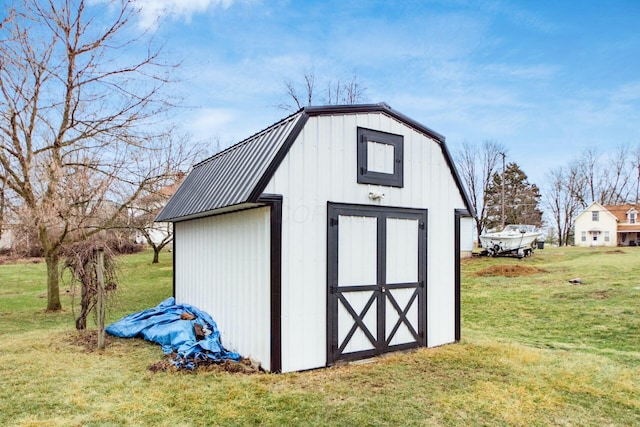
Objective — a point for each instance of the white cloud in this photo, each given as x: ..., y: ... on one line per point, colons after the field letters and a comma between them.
x: 153, y: 10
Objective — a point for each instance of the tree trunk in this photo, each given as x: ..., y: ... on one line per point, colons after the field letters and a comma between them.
x: 52, y: 259
x: 85, y: 297
x: 478, y: 229
x: 156, y: 255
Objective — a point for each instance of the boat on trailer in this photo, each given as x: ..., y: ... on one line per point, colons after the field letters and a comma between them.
x: 515, y: 239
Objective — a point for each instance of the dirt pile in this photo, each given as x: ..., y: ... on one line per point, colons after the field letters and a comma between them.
x: 245, y: 366
x: 88, y: 339
x: 509, y: 270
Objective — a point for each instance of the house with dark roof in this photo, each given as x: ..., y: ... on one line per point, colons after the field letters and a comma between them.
x: 330, y: 236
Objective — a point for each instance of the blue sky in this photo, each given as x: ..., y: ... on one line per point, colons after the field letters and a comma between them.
x: 547, y: 79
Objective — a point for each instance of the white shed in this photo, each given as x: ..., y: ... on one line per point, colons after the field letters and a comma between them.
x: 332, y: 235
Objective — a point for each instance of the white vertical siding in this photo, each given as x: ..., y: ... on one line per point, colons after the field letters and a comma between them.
x: 322, y: 166
x: 225, y: 270
x: 585, y: 224
x: 466, y: 236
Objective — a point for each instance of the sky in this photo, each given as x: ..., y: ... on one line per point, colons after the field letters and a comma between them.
x: 546, y: 79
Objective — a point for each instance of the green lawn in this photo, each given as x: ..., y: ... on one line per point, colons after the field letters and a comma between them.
x: 536, y: 350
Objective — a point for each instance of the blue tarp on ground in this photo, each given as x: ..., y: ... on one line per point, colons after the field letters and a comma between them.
x: 163, y: 325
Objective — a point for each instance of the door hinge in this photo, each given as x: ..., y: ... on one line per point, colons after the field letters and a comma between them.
x: 421, y: 334
x: 333, y: 222
x: 421, y: 284
x: 333, y: 289
x: 421, y: 225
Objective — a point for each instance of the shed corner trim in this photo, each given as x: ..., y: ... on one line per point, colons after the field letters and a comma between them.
x: 274, y: 201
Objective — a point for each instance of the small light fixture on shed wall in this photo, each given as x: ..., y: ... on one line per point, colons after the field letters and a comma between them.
x: 374, y: 195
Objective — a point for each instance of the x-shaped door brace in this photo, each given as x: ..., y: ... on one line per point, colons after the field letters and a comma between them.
x: 402, y: 316
x: 358, y: 321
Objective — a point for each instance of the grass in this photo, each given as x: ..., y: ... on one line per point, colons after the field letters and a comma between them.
x: 536, y: 350
x: 547, y: 311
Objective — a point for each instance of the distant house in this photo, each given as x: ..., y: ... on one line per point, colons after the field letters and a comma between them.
x: 6, y: 240
x: 607, y: 225
x: 143, y: 214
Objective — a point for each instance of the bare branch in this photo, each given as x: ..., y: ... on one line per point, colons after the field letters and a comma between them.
x: 79, y: 134
x: 348, y: 93
x: 477, y: 166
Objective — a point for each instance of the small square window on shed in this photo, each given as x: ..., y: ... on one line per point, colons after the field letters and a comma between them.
x: 380, y: 158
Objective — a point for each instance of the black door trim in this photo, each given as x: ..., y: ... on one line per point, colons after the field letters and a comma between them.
x: 459, y: 214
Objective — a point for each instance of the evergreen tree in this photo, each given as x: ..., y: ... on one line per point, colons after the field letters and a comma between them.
x: 521, y: 199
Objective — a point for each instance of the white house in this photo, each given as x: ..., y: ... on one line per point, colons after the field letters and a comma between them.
x: 332, y: 235
x: 143, y: 212
x: 6, y: 240
x: 610, y: 225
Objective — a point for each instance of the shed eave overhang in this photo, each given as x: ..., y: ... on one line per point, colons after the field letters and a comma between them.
x: 214, y: 212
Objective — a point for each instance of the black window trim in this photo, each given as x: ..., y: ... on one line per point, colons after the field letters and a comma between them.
x: 365, y: 176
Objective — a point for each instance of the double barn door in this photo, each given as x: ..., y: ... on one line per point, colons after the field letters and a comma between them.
x: 376, y: 280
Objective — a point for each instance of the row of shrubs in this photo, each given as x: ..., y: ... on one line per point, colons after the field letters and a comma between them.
x: 117, y: 244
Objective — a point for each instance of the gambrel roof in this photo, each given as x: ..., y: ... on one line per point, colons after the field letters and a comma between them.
x: 236, y: 177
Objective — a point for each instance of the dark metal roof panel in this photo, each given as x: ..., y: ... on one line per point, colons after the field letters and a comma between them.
x: 231, y: 176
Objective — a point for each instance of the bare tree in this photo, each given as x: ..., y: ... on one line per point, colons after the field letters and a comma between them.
x: 564, y: 199
x: 607, y: 178
x: 477, y: 165
x: 636, y: 172
x: 300, y: 98
x: 80, y: 259
x: 75, y: 142
x: 2, y: 203
x: 348, y: 93
x: 618, y: 188
x: 142, y: 215
x: 305, y: 94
